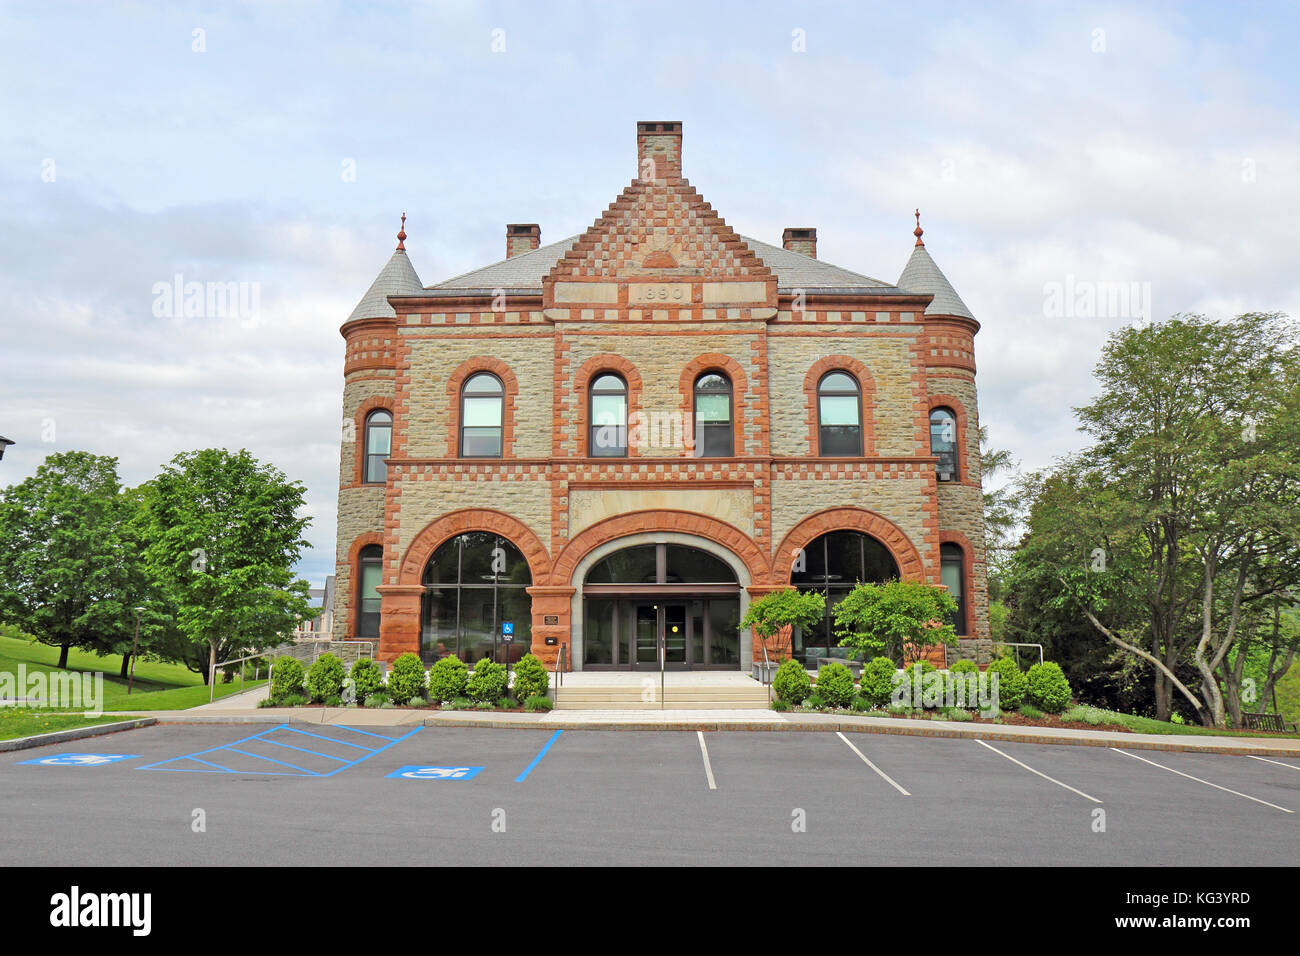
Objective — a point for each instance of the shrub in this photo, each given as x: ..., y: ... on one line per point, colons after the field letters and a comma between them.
x: 780, y: 705
x: 861, y: 703
x: 791, y: 683
x: 447, y: 678
x: 538, y: 704
x: 484, y: 705
x: 334, y: 701
x: 957, y: 714
x: 878, y: 681
x: 487, y: 683
x: 899, y: 710
x: 458, y: 703
x: 814, y: 702
x: 835, y: 684
x: 505, y: 703
x: 896, y: 616
x: 368, y: 677
x: 325, y: 679
x: 1033, y: 713
x: 909, y: 678
x: 531, y: 679
x: 964, y: 667
x: 377, y: 699
x: 406, y: 679
x: 1048, y: 687
x: 268, y: 702
x: 291, y: 700
x: 286, y: 677
x: 1012, y: 682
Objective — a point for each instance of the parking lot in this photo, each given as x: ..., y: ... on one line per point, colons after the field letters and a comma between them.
x: 312, y: 794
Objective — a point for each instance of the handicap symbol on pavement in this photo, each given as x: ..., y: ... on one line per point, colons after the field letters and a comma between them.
x: 416, y: 772
x: 80, y: 760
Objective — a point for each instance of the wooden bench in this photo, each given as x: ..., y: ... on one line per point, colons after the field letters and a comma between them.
x: 1269, y: 722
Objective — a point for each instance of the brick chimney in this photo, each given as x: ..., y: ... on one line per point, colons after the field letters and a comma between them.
x: 801, y: 239
x: 522, y: 237
x: 659, y: 150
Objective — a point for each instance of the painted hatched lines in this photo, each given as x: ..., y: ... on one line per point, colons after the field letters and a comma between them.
x: 357, y: 753
x: 1038, y: 772
x: 866, y: 760
x: 1236, y: 793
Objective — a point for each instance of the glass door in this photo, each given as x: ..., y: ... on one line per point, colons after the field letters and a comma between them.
x: 675, y: 643
x: 645, y: 635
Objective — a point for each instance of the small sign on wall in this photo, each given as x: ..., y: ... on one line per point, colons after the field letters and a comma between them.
x: 551, y: 620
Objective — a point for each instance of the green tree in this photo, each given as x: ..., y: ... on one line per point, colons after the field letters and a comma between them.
x: 777, y: 613
x: 224, y: 533
x: 69, y: 569
x: 902, y: 619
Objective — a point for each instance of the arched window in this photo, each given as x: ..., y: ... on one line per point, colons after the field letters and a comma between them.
x: 482, y: 407
x: 379, y: 445
x: 943, y: 444
x: 475, y: 584
x: 714, y: 437
x: 369, y: 576
x: 833, y: 565
x: 952, y: 573
x: 607, y: 414
x: 839, y: 415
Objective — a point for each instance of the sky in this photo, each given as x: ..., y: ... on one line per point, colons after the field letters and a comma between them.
x: 1078, y: 168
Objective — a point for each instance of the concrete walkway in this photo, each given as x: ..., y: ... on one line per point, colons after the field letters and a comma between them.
x: 738, y: 720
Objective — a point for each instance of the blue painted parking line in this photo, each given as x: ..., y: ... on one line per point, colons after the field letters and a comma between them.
x: 345, y: 743
x: 79, y: 760
x: 176, y: 764
x: 538, y: 759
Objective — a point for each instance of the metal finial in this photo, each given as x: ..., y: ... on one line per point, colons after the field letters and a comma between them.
x: 401, y: 236
x: 918, y: 230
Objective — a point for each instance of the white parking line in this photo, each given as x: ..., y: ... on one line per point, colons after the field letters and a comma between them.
x: 1199, y: 780
x: 1277, y: 763
x: 1039, y: 772
x: 886, y: 777
x: 708, y: 768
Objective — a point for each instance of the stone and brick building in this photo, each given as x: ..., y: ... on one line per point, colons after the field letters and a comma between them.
x: 621, y: 438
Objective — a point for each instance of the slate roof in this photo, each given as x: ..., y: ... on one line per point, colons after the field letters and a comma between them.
x: 921, y: 274
x: 396, y: 278
x: 524, y: 272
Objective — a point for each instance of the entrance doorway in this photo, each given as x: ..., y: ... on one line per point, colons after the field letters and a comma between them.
x: 699, y: 634
x: 647, y: 597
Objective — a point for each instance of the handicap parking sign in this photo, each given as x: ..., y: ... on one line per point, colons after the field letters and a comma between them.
x: 507, y: 628
x: 79, y: 760
x: 416, y: 772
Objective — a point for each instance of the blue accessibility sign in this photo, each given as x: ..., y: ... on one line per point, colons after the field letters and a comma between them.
x: 80, y: 760
x: 415, y: 772
x: 508, y: 627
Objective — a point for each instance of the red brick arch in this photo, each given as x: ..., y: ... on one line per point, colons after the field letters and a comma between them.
x: 739, y: 386
x: 639, y: 522
x: 841, y: 363
x: 900, y: 547
x: 593, y: 367
x: 359, y: 446
x: 354, y: 575
x: 482, y: 363
x: 963, y: 452
x: 440, y: 530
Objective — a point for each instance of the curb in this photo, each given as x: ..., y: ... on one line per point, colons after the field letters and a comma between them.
x: 74, y: 733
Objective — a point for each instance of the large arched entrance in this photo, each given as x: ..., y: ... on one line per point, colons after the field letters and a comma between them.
x: 639, y: 598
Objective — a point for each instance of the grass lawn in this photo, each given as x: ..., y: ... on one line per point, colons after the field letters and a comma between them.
x: 1288, y: 695
x: 158, y: 685
x: 1149, y: 725
x: 25, y: 722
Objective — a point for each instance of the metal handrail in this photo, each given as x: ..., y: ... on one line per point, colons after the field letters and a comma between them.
x: 767, y: 668
x: 559, y: 671
x: 1015, y: 644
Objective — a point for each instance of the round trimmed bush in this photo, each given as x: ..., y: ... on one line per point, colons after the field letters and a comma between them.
x: 367, y: 676
x: 1048, y: 687
x: 286, y: 678
x: 447, y: 678
x: 835, y: 685
x: 909, y: 678
x: 791, y: 683
x: 488, y: 682
x: 531, y: 679
x: 964, y: 667
x: 406, y: 679
x: 325, y: 679
x: 878, y: 681
x: 1012, y: 682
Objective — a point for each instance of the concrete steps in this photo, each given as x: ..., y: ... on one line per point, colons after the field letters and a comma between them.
x: 688, y: 697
